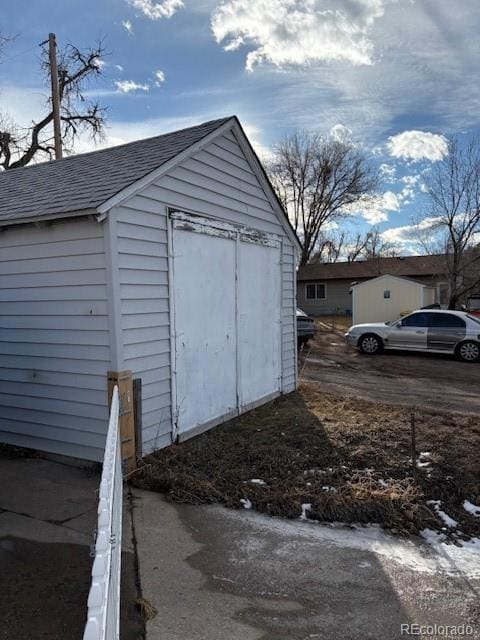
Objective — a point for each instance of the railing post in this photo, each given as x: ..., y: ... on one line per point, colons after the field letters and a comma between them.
x: 124, y: 381
x: 103, y: 604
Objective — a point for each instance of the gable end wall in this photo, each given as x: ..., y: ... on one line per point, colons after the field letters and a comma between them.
x: 216, y: 182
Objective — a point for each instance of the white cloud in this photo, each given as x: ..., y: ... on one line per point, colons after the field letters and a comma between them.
x: 341, y: 133
x: 390, y: 201
x: 99, y: 63
x: 375, y: 209
x: 408, y: 238
x: 159, y: 77
x: 418, y: 145
x: 128, y: 26
x: 298, y: 32
x: 411, y: 180
x: 426, y: 61
x: 387, y: 172
x: 157, y: 10
x: 119, y: 67
x: 127, y: 86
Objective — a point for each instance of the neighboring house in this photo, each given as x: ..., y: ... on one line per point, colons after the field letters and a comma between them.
x: 325, y: 289
x: 386, y: 298
x: 170, y: 257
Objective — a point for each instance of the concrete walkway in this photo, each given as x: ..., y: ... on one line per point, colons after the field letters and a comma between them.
x: 47, y: 519
x: 217, y: 574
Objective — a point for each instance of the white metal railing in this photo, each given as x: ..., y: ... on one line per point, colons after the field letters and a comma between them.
x: 103, y: 617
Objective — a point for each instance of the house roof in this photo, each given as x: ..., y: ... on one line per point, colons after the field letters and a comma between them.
x: 83, y: 182
x: 388, y: 275
x: 409, y: 266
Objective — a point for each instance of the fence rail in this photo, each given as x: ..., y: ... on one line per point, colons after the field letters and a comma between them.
x: 103, y: 617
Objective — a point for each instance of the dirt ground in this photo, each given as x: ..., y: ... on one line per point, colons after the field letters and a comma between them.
x: 318, y: 456
x: 411, y: 379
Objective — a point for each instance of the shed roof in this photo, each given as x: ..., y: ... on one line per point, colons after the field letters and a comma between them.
x: 409, y: 266
x: 389, y: 275
x: 85, y: 181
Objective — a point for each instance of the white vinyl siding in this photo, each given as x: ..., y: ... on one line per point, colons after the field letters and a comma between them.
x: 216, y: 182
x: 54, y: 338
x: 142, y: 259
x: 289, y: 360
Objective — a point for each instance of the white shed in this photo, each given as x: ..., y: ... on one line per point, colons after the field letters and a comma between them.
x: 170, y: 257
x: 388, y: 297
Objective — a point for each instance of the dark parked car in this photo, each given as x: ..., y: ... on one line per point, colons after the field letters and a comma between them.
x: 305, y: 327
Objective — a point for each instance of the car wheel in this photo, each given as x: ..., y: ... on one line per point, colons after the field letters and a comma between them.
x: 469, y: 351
x: 370, y: 344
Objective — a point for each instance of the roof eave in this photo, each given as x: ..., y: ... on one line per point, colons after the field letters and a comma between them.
x: 40, y: 219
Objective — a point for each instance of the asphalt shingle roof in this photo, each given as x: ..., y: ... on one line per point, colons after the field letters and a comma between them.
x: 409, y: 266
x: 86, y: 181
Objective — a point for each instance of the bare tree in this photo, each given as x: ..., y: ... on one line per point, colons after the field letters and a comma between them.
x: 19, y: 146
x: 340, y: 247
x: 371, y: 245
x: 317, y: 179
x: 453, y: 219
x: 329, y: 248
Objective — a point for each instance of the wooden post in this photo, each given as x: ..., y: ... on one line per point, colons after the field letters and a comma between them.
x: 137, y: 413
x: 123, y: 379
x: 52, y: 57
x: 413, y: 445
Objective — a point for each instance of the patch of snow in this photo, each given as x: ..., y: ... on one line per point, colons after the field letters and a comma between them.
x: 433, y: 537
x: 305, y: 507
x: 450, y: 522
x: 329, y: 489
x: 421, y: 464
x: 257, y: 481
x: 471, y: 508
x: 382, y: 482
x: 246, y: 503
x: 429, y: 554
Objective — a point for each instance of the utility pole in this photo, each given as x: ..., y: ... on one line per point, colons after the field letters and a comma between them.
x: 52, y: 56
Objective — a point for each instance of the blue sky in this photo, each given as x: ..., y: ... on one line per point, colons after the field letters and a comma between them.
x: 395, y: 76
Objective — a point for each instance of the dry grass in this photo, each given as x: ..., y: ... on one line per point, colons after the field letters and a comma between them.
x: 146, y: 609
x: 349, y: 459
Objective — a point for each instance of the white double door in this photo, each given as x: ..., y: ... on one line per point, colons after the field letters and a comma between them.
x: 227, y: 322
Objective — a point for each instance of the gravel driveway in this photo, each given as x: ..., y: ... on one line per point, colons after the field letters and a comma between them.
x: 409, y: 379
